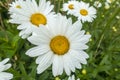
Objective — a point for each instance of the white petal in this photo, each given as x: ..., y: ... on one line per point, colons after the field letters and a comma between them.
x: 75, y: 35
x: 7, y: 66
x: 21, y: 27
x: 78, y: 79
x: 57, y: 67
x: 1, y: 78
x: 73, y: 77
x: 60, y: 26
x: 85, y: 39
x: 48, y: 8
x: 75, y: 61
x: 70, y: 62
x: 2, y: 68
x: 22, y: 32
x: 84, y: 54
x: 78, y: 46
x: 69, y: 78
x: 77, y: 25
x: 3, y: 65
x: 66, y: 65
x: 41, y: 5
x: 36, y: 51
x: 4, y: 61
x: 6, y: 75
x: 25, y: 36
x: 39, y: 38
x: 78, y: 56
x: 44, y: 62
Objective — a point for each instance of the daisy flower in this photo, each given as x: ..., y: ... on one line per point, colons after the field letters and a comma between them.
x: 3, y: 67
x: 84, y: 12
x: 15, y: 6
x: 107, y: 6
x: 69, y: 7
x: 72, y: 78
x: 32, y: 15
x: 97, y: 4
x: 109, y: 1
x: 61, y: 45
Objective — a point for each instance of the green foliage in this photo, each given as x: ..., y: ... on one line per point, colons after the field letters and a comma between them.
x: 104, y: 46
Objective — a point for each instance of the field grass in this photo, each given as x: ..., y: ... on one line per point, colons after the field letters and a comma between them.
x: 104, y: 45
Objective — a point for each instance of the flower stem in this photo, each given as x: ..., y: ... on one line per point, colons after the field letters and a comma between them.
x: 58, y: 8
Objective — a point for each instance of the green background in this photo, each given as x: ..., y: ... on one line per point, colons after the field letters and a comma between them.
x: 104, y: 46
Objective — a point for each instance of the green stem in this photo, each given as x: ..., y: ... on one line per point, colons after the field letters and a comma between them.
x: 54, y: 6
x: 22, y: 69
x: 105, y: 29
x: 58, y: 8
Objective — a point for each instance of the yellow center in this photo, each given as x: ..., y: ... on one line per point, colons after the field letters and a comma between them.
x: 71, y: 6
x: 18, y: 6
x: 59, y: 45
x: 83, y: 12
x: 38, y: 19
x: 111, y: 0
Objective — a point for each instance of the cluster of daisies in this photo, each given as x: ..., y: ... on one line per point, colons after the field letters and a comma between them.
x: 58, y: 41
x: 83, y: 11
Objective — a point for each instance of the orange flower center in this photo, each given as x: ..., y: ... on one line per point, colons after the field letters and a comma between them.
x: 18, y: 6
x: 38, y: 19
x: 84, y: 12
x: 59, y: 45
x: 71, y: 6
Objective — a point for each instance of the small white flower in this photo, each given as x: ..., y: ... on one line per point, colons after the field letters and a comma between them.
x: 3, y: 67
x: 97, y: 4
x: 73, y: 78
x: 61, y: 45
x: 107, y: 6
x: 15, y: 6
x: 118, y: 17
x: 32, y: 15
x: 84, y: 12
x: 118, y: 3
x: 69, y: 7
x: 109, y: 1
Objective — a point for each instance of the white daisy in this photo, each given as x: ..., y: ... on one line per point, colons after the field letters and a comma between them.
x: 84, y: 12
x: 97, y: 4
x: 69, y: 7
x: 3, y: 67
x: 72, y: 78
x: 32, y: 15
x: 109, y: 1
x: 15, y: 6
x: 107, y: 6
x: 61, y: 45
